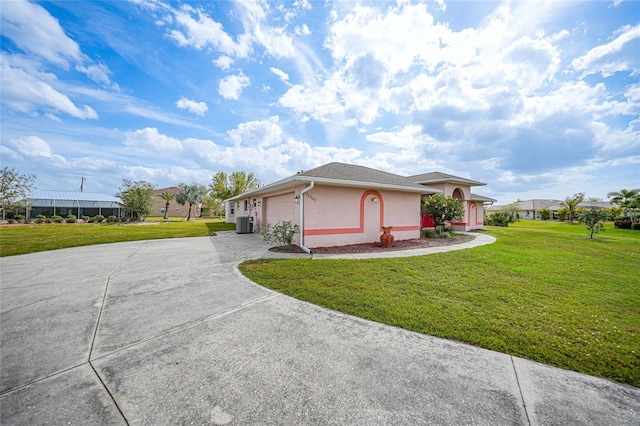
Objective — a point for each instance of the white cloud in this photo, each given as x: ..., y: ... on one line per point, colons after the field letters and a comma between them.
x: 260, y: 133
x: 34, y: 30
x: 302, y: 30
x: 200, y: 31
x: 223, y: 62
x: 231, y: 86
x: 32, y: 147
x: 27, y: 93
x: 99, y: 73
x: 150, y: 140
x: 281, y: 74
x: 589, y: 60
x: 198, y: 108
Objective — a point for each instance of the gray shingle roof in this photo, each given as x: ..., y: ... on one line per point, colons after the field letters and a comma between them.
x: 439, y: 177
x: 342, y: 174
x: 350, y: 172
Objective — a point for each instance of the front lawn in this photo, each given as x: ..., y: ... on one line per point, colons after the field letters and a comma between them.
x: 22, y: 239
x: 543, y: 291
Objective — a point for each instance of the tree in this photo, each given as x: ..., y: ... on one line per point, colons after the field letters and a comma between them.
x: 545, y: 214
x: 167, y: 197
x: 442, y: 209
x: 571, y: 205
x: 628, y: 199
x: 224, y: 186
x: 138, y: 196
x: 593, y: 219
x: 191, y: 194
x: 14, y: 188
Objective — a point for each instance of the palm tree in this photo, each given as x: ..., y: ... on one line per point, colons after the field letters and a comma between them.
x: 571, y: 204
x: 191, y: 194
x: 168, y: 197
x: 628, y: 199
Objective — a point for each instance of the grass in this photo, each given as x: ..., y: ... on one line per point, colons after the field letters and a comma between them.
x: 543, y: 291
x: 22, y: 239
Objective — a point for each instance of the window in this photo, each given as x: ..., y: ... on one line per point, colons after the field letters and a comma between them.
x: 246, y: 205
x: 255, y: 202
x: 232, y: 211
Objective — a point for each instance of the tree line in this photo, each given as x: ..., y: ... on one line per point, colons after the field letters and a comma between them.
x: 139, y: 196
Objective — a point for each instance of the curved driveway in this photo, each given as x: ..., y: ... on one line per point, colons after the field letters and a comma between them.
x: 168, y: 332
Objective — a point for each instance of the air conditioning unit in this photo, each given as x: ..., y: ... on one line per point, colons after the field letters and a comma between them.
x: 244, y: 225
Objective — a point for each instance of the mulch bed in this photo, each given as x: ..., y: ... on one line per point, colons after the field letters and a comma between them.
x: 377, y: 247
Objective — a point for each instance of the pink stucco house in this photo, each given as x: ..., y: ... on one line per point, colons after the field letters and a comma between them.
x: 339, y: 204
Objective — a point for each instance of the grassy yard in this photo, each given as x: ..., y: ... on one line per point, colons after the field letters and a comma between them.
x: 543, y: 291
x: 22, y: 239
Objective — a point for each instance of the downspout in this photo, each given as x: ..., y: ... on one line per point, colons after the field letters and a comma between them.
x: 307, y: 189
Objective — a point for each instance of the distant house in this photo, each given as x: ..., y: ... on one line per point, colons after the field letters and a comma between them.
x: 175, y: 209
x: 64, y: 203
x: 530, y: 209
x: 340, y: 204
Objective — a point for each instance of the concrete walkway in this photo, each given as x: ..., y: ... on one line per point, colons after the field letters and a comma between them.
x: 168, y: 332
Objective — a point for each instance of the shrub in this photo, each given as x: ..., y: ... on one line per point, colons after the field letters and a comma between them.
x: 502, y: 218
x: 57, y: 219
x: 71, y: 218
x: 431, y: 233
x: 48, y: 220
x: 281, y: 234
x: 623, y: 224
x: 636, y: 226
x: 545, y: 214
x: 19, y: 217
x: 112, y: 219
x: 41, y: 218
x: 98, y: 218
x: 11, y: 220
x: 86, y: 218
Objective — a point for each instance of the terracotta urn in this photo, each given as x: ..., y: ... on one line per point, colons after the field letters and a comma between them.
x: 386, y: 239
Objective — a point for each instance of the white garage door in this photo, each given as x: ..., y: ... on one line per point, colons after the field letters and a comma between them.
x: 279, y: 208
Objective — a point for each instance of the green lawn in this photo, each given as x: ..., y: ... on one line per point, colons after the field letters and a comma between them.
x: 22, y: 239
x: 543, y: 291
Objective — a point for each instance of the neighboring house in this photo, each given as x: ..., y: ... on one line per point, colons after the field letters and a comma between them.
x: 64, y: 203
x: 340, y: 204
x: 530, y: 209
x: 175, y: 209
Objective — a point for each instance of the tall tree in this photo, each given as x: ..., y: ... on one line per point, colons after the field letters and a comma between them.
x: 624, y: 197
x: 138, y: 196
x: 14, y: 188
x: 225, y: 186
x: 167, y: 197
x: 191, y: 194
x: 571, y: 204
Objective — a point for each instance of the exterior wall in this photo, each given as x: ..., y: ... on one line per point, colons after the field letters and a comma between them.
x: 175, y: 209
x: 335, y: 216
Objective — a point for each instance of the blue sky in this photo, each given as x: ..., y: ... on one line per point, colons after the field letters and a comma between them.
x: 537, y: 99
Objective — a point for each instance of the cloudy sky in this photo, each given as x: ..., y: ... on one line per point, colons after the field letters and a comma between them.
x: 537, y: 99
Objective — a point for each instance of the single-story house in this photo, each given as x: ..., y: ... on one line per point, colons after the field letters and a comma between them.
x: 340, y: 204
x: 64, y: 203
x: 530, y: 209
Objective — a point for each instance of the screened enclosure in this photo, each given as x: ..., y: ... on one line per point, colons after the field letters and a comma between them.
x: 64, y: 203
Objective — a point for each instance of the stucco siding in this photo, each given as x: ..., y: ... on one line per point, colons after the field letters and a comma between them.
x: 340, y: 216
x: 279, y: 208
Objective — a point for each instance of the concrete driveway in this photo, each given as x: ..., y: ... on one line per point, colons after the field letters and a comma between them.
x: 168, y: 332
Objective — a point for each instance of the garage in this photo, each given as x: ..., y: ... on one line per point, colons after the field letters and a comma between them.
x: 280, y: 208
